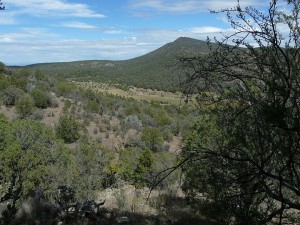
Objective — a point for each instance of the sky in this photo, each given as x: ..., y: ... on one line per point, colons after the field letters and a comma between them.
x: 39, y: 31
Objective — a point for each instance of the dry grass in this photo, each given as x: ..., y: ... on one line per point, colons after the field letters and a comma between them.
x: 134, y: 92
x: 9, y: 112
x: 161, y: 207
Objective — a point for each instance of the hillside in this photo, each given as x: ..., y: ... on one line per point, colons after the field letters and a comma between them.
x: 156, y: 70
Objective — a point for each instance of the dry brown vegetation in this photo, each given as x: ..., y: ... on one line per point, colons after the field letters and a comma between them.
x: 139, y: 94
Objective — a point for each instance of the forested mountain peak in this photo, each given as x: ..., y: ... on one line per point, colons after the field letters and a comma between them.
x: 156, y: 70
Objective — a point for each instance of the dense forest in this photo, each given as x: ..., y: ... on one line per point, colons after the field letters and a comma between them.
x: 83, y: 143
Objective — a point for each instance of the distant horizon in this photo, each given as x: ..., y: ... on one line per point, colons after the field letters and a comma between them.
x: 97, y: 59
x: 39, y: 31
x: 15, y: 65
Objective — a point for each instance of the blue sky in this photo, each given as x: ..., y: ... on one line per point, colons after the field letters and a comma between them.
x: 36, y: 31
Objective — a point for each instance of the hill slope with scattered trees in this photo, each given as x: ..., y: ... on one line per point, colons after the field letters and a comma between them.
x: 155, y: 70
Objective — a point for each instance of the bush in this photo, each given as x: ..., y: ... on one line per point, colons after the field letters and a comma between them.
x: 53, y: 102
x: 4, y: 82
x: 25, y: 105
x: 2, y: 67
x: 143, y: 169
x: 152, y: 137
x: 11, y: 94
x: 68, y: 129
x: 132, y: 121
x: 65, y: 89
x: 67, y: 105
x: 92, y: 106
x: 40, y: 97
x: 37, y: 114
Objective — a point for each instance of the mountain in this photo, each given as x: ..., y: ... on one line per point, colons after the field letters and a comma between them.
x: 156, y: 70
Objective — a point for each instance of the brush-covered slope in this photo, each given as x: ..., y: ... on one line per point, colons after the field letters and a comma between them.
x: 156, y: 70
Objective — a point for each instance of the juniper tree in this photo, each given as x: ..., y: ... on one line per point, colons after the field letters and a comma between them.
x: 245, y: 147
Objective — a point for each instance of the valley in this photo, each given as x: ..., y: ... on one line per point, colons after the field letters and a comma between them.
x: 112, y: 138
x: 135, y: 93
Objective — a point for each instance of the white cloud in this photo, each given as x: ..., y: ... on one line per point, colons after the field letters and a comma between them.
x: 53, y: 8
x: 77, y: 24
x: 38, y: 45
x: 27, y: 52
x: 206, y: 30
x: 7, y: 18
x: 113, y: 31
x: 187, y: 6
x: 26, y: 33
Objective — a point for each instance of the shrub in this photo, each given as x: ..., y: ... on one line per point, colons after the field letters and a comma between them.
x: 152, y: 137
x: 11, y: 94
x: 40, y: 97
x: 68, y: 129
x: 53, y: 102
x: 132, y: 121
x: 65, y: 89
x: 4, y: 82
x: 92, y: 106
x: 25, y: 105
x: 2, y: 67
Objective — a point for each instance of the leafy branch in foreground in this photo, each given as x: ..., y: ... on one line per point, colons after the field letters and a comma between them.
x: 244, y: 150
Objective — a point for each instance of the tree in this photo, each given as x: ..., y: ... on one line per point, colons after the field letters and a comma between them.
x: 11, y: 94
x: 250, y: 151
x: 4, y: 82
x: 129, y: 158
x: 30, y: 156
x: 68, y: 128
x: 152, y: 137
x: 25, y: 105
x: 143, y: 169
x: 41, y: 97
x: 90, y: 170
x: 2, y: 65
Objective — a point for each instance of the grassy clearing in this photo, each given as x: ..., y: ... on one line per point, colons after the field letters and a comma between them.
x: 139, y: 94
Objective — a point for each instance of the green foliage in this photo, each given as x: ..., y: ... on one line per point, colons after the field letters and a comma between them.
x: 92, y: 106
x: 90, y: 94
x: 158, y: 114
x: 201, y: 175
x: 64, y: 89
x: 28, y: 155
x: 143, y: 168
x: 38, y: 74
x: 243, y: 154
x: 128, y: 162
x: 41, y: 97
x: 132, y: 108
x: 23, y: 73
x: 67, y: 105
x: 152, y: 137
x: 89, y: 173
x: 25, y: 105
x: 11, y: 94
x: 68, y: 128
x: 132, y: 122
x: 156, y: 70
x: 2, y: 67
x: 20, y: 78
x: 162, y: 163
x: 4, y: 82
